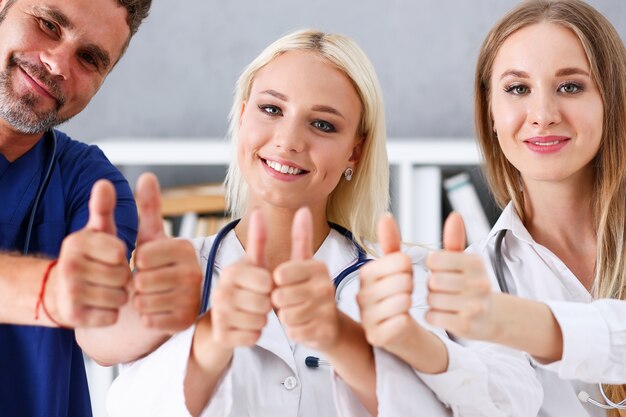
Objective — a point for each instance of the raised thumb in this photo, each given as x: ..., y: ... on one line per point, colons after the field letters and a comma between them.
x: 388, y: 234
x: 302, y: 235
x: 257, y: 238
x: 102, y: 208
x: 454, y: 233
x: 148, y: 196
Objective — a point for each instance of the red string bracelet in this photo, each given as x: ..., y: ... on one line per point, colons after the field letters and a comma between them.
x: 42, y: 291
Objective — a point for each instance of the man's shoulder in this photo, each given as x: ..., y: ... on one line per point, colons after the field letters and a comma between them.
x: 76, y: 152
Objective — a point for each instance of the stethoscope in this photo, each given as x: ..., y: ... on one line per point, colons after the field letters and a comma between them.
x: 337, y: 281
x: 43, y: 184
x: 583, y: 396
x: 310, y: 361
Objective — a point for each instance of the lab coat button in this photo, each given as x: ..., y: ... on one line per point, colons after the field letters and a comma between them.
x: 290, y: 383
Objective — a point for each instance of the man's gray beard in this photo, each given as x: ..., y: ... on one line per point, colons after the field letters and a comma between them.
x: 19, y: 112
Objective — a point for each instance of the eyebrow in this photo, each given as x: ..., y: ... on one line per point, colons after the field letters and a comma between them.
x: 276, y: 94
x: 327, y: 109
x: 54, y: 13
x: 319, y: 107
x: 564, y: 72
x: 514, y: 73
x: 571, y: 71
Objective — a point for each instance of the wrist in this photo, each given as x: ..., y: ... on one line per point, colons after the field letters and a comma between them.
x: 497, y: 331
x: 210, y: 356
x: 340, y: 337
x: 46, y: 300
x: 421, y: 349
x: 411, y: 335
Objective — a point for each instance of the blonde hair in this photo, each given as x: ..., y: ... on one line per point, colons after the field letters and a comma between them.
x: 607, y: 58
x: 355, y: 205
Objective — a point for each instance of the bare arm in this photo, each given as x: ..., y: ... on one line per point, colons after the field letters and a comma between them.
x: 125, y: 341
x: 420, y: 348
x: 353, y: 360
x: 526, y: 325
x: 20, y: 283
x: 207, y: 363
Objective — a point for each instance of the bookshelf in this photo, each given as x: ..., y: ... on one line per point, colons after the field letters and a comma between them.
x: 417, y: 166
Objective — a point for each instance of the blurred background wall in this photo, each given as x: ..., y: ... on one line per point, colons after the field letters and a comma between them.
x: 177, y: 77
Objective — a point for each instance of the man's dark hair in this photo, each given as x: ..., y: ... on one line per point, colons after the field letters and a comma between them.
x: 137, y: 12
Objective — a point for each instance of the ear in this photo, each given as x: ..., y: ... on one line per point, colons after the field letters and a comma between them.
x: 357, y: 150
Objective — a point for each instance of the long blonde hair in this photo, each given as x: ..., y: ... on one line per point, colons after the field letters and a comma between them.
x: 607, y: 58
x: 356, y: 204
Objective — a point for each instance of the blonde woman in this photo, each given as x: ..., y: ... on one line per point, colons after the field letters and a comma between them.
x: 281, y: 336
x: 551, y: 119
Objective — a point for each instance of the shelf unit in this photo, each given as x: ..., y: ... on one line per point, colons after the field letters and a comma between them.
x: 417, y: 161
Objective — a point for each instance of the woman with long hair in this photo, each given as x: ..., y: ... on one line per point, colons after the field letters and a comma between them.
x: 551, y: 121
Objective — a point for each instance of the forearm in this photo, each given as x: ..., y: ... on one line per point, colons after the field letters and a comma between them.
x: 352, y: 359
x: 126, y: 341
x: 528, y: 326
x: 422, y: 350
x: 20, y: 284
x: 206, y: 366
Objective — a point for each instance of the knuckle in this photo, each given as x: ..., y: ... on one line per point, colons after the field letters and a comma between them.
x: 140, y: 282
x: 483, y: 286
x: 474, y: 261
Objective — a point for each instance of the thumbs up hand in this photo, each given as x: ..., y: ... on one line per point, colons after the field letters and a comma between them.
x: 168, y: 276
x: 88, y: 284
x: 460, y: 294
x: 241, y: 300
x: 305, y: 296
x: 385, y: 294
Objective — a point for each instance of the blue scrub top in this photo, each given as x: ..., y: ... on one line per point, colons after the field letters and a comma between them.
x: 42, y: 373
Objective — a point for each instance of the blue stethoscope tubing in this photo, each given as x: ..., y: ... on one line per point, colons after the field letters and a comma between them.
x: 208, y: 275
x: 498, y: 264
x: 43, y: 184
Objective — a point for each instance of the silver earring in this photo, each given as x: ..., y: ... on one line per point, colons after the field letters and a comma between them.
x: 348, y: 174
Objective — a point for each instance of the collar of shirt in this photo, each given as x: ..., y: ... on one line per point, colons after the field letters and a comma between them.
x: 525, y: 260
x: 509, y: 220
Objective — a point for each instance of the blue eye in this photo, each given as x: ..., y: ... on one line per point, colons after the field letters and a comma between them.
x: 570, y: 88
x: 323, y: 125
x: 270, y: 110
x: 517, y: 89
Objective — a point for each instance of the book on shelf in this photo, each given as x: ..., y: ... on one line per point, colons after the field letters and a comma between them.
x: 426, y: 215
x: 464, y: 199
x: 193, y: 210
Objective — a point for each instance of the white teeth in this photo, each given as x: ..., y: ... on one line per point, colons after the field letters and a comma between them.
x: 284, y: 169
x: 546, y: 143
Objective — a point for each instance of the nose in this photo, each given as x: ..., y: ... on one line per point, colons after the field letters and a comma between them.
x: 544, y: 110
x: 57, y: 61
x: 291, y: 137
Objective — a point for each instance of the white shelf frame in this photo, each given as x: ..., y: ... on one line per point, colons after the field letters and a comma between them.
x: 405, y: 153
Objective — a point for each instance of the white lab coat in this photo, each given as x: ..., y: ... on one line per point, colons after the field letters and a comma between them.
x: 269, y: 379
x: 594, y: 332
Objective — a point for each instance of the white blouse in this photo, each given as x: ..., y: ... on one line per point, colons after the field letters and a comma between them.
x: 594, y: 332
